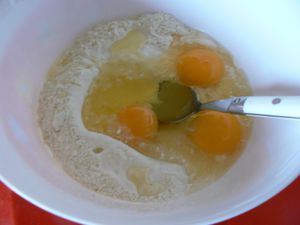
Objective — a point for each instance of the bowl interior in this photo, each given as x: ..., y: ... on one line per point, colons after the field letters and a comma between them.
x: 264, y: 45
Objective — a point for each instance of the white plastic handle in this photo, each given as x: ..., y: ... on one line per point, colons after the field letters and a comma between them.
x: 270, y: 106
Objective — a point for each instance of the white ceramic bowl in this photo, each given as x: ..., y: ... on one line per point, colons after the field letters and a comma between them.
x: 264, y: 38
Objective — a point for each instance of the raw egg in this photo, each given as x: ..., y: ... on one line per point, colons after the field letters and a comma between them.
x: 200, y: 67
x: 141, y: 121
x: 216, y: 132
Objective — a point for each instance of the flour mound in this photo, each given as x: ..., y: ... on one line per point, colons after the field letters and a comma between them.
x: 95, y: 160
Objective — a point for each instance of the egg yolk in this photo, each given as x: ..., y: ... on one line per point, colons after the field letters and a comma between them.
x: 216, y: 132
x: 200, y: 67
x: 141, y: 121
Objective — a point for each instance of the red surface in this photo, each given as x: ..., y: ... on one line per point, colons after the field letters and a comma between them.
x: 6, y: 211
x: 283, y: 209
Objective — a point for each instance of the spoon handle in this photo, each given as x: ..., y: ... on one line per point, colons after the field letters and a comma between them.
x: 260, y: 106
x: 266, y: 106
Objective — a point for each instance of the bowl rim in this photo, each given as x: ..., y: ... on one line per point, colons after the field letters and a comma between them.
x: 234, y: 211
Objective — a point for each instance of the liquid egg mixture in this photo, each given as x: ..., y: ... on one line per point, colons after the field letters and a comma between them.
x: 103, y: 114
x: 122, y: 102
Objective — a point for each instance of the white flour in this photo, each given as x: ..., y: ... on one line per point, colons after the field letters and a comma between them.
x: 95, y: 160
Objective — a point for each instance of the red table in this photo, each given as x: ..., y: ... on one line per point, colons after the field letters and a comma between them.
x: 283, y: 209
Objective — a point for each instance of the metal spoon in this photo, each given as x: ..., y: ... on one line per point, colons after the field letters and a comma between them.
x: 177, y: 102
